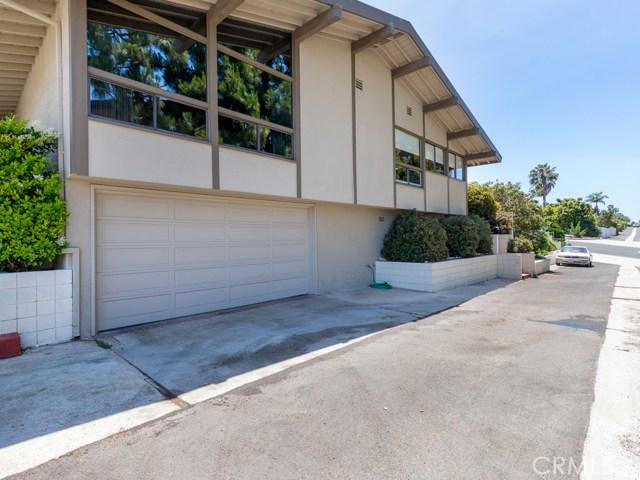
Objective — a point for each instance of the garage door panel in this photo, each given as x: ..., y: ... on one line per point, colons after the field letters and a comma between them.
x: 200, y: 211
x: 249, y: 215
x: 249, y: 292
x: 289, y: 233
x: 131, y: 307
x: 246, y: 273
x: 189, y: 233
x: 293, y: 268
x: 134, y: 282
x: 200, y: 255
x: 131, y: 258
x: 134, y: 207
x: 249, y: 233
x: 250, y: 252
x: 212, y: 297
x: 290, y: 286
x: 161, y: 256
x: 200, y: 276
x: 290, y: 215
x: 110, y: 232
x: 290, y: 250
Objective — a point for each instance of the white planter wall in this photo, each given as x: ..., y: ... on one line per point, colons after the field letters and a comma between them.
x: 38, y: 306
x: 500, y: 243
x: 608, y: 232
x: 510, y: 266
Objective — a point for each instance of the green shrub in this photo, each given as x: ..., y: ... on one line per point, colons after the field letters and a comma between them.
x: 481, y: 202
x: 32, y: 213
x: 462, y: 236
x: 485, y: 241
x: 577, y: 231
x: 502, y: 223
x: 415, y: 237
x: 520, y: 245
x: 557, y: 231
x: 542, y: 244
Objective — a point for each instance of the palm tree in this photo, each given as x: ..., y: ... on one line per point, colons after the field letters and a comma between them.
x: 596, y: 198
x: 542, y: 179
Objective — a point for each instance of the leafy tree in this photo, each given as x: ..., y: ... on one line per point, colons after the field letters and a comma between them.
x: 572, y: 212
x: 481, y: 201
x: 542, y: 179
x: 527, y: 213
x: 32, y: 213
x: 596, y: 198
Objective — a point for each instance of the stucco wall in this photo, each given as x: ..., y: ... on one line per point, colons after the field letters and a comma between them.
x: 404, y: 98
x: 409, y: 197
x: 433, y: 132
x: 39, y: 100
x: 125, y: 153
x: 437, y: 193
x: 374, y: 132
x: 348, y: 238
x: 457, y: 197
x: 326, y: 121
x: 244, y: 171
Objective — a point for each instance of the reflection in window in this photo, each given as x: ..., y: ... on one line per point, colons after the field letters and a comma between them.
x: 246, y: 89
x: 148, y: 58
x: 236, y: 133
x: 120, y: 103
x: 407, y: 158
x: 179, y: 118
x: 456, y: 167
x: 439, y: 161
x: 429, y: 156
x: 276, y: 143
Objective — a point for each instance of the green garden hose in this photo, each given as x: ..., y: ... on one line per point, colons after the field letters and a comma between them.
x: 379, y: 286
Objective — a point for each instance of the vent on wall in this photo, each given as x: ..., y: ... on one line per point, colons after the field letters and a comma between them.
x: 410, y: 111
x: 359, y: 84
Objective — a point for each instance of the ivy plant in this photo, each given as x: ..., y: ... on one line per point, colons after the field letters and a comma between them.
x: 32, y: 213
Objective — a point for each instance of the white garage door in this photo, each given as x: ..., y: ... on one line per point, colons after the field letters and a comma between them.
x: 160, y: 257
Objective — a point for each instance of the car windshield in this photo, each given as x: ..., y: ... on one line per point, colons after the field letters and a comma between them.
x: 574, y: 250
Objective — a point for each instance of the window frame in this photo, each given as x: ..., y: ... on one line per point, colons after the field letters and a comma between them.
x: 406, y: 167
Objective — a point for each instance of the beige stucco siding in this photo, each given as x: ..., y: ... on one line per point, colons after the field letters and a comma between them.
x: 405, y: 98
x: 409, y: 197
x: 243, y: 171
x: 326, y: 126
x: 457, y: 197
x: 374, y: 132
x: 433, y: 132
x: 437, y: 193
x: 125, y: 153
x: 348, y: 238
x: 39, y: 99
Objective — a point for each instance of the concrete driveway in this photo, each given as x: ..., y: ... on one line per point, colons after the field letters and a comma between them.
x: 478, y: 391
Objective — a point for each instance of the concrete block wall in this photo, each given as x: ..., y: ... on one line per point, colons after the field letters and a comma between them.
x: 500, y: 242
x: 510, y: 266
x: 38, y: 306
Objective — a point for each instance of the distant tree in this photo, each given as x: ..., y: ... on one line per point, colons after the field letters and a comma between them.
x: 542, y: 179
x: 573, y: 214
x: 481, y: 201
x: 527, y: 213
x: 596, y: 198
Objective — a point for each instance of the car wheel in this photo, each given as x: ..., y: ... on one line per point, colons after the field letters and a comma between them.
x: 590, y: 264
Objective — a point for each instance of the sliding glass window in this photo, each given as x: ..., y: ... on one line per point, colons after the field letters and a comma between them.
x: 407, y: 158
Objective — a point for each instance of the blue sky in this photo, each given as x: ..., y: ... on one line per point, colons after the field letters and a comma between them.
x: 553, y: 82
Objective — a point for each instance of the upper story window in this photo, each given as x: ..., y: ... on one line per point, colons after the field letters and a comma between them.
x: 456, y: 166
x: 407, y: 158
x: 434, y: 158
x: 255, y: 87
x: 146, y: 74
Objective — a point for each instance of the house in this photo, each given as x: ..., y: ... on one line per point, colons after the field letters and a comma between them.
x: 188, y: 195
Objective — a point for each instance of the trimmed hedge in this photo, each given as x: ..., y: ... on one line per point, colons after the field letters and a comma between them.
x: 462, y: 236
x: 485, y: 240
x: 32, y: 213
x: 415, y: 237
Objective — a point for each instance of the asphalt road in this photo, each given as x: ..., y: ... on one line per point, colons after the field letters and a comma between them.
x: 489, y: 389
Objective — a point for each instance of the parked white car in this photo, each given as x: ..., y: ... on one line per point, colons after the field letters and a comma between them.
x: 574, y: 256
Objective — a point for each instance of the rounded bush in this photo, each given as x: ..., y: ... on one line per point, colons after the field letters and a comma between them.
x: 32, y: 213
x: 520, y: 245
x: 415, y: 237
x: 485, y: 241
x: 557, y: 231
x: 462, y: 236
x: 502, y: 223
